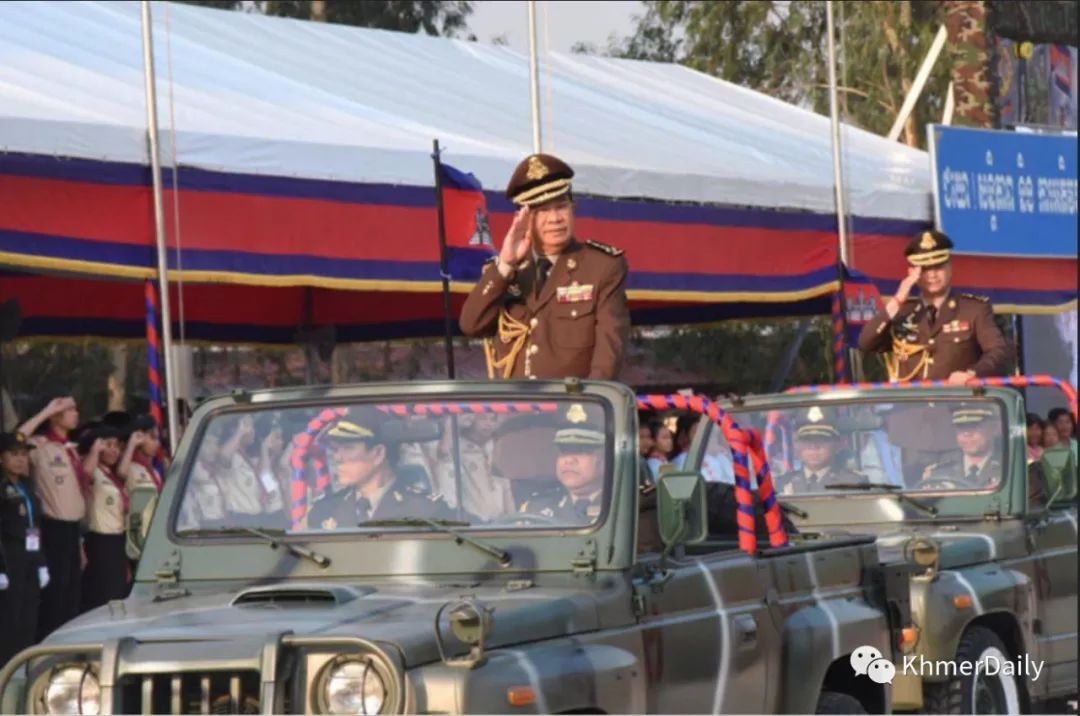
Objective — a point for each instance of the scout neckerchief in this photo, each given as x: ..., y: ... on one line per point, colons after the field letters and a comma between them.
x: 138, y: 458
x: 26, y: 501
x: 115, y: 479
x: 73, y: 458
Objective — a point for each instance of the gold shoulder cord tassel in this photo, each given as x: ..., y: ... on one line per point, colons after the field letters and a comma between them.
x: 901, y: 352
x: 511, y: 331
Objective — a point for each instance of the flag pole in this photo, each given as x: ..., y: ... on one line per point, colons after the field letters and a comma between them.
x: 534, y: 79
x: 444, y: 269
x: 839, y: 312
x: 159, y: 226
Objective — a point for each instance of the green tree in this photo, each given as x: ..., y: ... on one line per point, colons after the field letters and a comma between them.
x: 779, y: 48
x: 433, y: 17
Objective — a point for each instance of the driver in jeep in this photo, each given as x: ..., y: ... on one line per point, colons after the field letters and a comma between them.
x: 363, y: 460
x: 976, y: 466
x: 579, y: 467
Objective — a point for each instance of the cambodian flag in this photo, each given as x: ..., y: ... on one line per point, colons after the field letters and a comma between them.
x: 468, y: 238
x: 862, y: 299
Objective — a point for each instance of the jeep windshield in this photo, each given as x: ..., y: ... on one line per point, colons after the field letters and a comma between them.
x: 417, y: 466
x: 831, y: 447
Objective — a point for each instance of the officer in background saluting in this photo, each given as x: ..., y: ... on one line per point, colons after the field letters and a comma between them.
x: 939, y: 335
x: 22, y: 563
x: 549, y: 306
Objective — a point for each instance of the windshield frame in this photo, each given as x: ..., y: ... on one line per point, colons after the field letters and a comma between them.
x: 434, y: 552
x: 1007, y: 497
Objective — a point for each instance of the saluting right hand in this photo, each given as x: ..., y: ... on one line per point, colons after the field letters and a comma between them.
x: 518, y: 241
x: 59, y: 405
x: 912, y: 278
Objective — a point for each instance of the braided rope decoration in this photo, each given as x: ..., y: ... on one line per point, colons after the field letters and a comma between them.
x: 839, y: 347
x: 1016, y: 381
x: 472, y: 408
x: 741, y: 445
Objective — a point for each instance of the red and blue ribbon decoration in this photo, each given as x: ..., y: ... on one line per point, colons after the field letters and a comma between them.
x: 839, y: 345
x: 153, y: 350
x: 741, y: 443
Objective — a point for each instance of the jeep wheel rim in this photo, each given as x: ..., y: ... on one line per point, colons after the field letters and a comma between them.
x: 994, y: 693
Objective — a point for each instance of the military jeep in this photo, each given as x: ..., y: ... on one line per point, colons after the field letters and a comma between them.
x: 941, y: 476
x: 463, y: 585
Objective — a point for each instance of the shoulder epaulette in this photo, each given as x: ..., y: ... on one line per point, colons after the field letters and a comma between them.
x: 983, y: 299
x: 609, y: 250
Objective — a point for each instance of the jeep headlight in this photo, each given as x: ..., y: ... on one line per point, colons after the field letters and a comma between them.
x: 352, y: 686
x: 72, y: 689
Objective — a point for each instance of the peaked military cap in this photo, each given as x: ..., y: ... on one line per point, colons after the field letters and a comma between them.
x: 971, y: 415
x: 359, y: 425
x: 14, y: 441
x: 816, y: 424
x: 539, y: 178
x: 929, y: 248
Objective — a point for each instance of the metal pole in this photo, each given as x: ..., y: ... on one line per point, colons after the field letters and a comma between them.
x: 159, y: 225
x: 834, y: 116
x: 534, y: 78
x: 920, y: 81
x: 444, y: 267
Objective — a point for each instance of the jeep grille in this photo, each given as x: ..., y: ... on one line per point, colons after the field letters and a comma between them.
x: 207, y: 692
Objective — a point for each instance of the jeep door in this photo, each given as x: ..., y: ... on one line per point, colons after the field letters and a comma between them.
x: 1053, y: 537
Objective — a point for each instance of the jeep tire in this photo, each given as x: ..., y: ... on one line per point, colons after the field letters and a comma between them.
x: 836, y: 702
x: 977, y: 693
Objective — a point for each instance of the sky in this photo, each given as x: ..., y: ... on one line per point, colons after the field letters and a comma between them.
x: 567, y: 23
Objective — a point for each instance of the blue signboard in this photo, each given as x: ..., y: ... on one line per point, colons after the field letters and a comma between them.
x: 1005, y: 193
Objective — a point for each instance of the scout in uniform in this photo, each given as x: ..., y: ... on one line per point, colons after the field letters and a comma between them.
x: 105, y: 577
x: 816, y: 444
x: 977, y: 466
x: 62, y: 485
x: 22, y: 563
x: 484, y: 494
x: 579, y: 468
x: 143, y: 443
x: 363, y: 463
x: 939, y: 335
x: 251, y: 493
x: 549, y: 306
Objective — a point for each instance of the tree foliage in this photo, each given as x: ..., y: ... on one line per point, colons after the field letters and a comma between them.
x: 780, y: 48
x: 432, y: 17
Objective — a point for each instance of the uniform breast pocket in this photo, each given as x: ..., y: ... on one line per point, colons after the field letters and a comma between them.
x: 960, y: 336
x: 574, y: 324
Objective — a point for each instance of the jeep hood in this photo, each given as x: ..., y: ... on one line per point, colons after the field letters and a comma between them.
x: 228, y: 623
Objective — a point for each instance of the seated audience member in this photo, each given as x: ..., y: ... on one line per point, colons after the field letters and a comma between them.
x: 1034, y: 437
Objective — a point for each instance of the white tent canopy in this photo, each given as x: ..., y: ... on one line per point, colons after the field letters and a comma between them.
x: 260, y: 95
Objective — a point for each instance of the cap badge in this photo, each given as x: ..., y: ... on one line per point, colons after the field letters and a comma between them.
x: 952, y: 303
x: 576, y: 414
x: 571, y: 264
x: 536, y: 169
x: 927, y: 241
x: 815, y: 415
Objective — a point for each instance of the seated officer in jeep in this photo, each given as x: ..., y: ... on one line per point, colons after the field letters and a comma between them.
x: 363, y: 457
x: 579, y: 467
x: 978, y: 465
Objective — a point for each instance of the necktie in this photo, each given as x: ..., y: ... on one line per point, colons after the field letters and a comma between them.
x: 581, y: 508
x: 363, y: 505
x: 931, y: 315
x: 973, y: 472
x: 543, y: 268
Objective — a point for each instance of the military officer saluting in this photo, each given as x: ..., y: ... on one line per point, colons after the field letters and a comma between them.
x: 549, y: 306
x: 976, y: 466
x: 363, y: 459
x: 939, y: 335
x: 579, y: 467
x: 816, y: 443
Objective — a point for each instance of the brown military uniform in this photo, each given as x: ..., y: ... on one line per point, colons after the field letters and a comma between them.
x: 577, y: 325
x: 964, y: 337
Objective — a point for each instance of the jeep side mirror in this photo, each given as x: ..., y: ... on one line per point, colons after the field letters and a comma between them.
x: 137, y: 522
x: 681, y: 508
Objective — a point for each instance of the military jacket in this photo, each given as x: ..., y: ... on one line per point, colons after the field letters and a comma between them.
x: 952, y: 472
x: 343, y: 508
x: 797, y: 482
x: 964, y: 337
x: 562, y: 508
x: 576, y: 326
